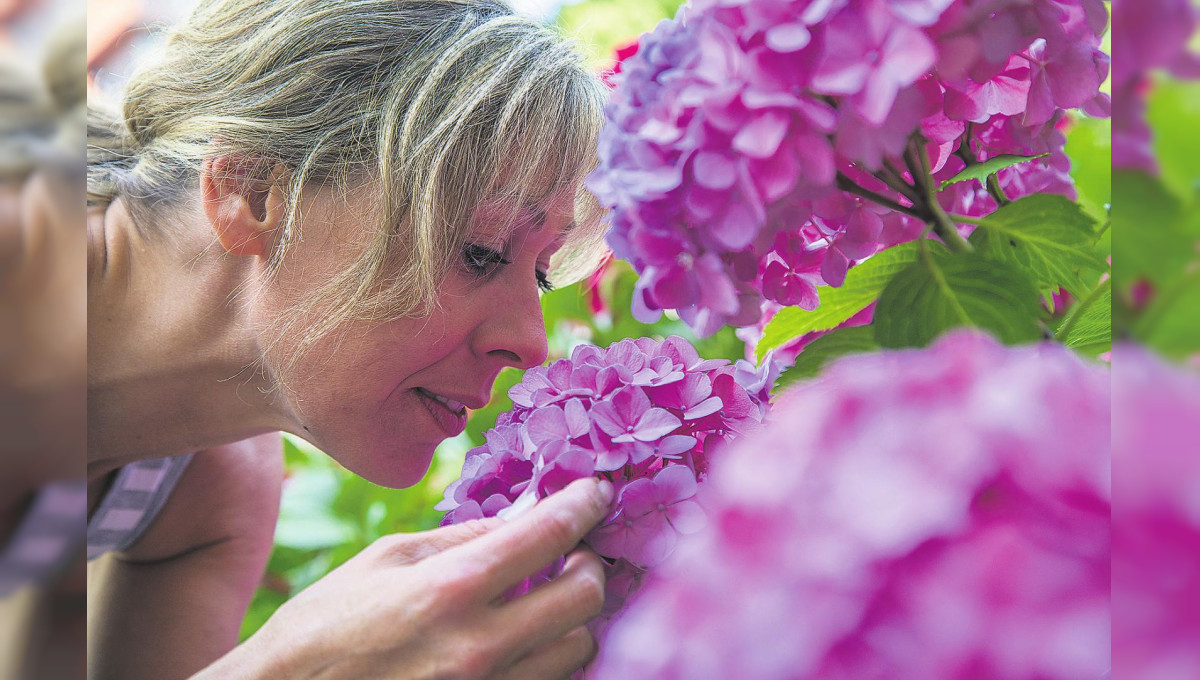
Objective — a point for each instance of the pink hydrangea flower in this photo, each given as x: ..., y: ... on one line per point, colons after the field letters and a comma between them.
x: 739, y: 121
x: 1156, y: 517
x: 937, y: 513
x: 647, y: 415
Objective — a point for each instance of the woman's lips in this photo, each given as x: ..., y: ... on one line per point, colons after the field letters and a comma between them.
x: 450, y: 415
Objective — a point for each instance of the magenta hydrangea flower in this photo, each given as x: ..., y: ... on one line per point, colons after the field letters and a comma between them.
x: 1156, y: 517
x: 936, y: 513
x: 742, y: 120
x: 646, y: 414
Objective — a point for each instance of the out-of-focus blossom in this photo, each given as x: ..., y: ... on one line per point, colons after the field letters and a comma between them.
x: 742, y: 120
x: 1156, y: 517
x: 645, y: 414
x: 938, y: 513
x: 1151, y: 35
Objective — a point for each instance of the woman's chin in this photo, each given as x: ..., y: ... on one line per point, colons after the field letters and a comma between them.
x: 395, y: 467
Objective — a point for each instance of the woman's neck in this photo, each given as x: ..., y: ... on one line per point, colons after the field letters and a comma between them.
x: 173, y: 360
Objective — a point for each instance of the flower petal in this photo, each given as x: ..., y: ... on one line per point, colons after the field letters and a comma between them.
x: 686, y: 516
x: 654, y: 424
x: 674, y: 483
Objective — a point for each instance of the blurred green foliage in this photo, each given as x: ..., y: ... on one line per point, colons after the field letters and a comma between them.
x: 1156, y: 231
x: 601, y: 26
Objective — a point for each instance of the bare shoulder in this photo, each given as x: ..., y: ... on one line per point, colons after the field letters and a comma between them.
x: 227, y: 494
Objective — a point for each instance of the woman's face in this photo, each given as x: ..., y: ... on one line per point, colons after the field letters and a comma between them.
x: 380, y: 397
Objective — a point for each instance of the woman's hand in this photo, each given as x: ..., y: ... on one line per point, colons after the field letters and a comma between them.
x: 429, y: 605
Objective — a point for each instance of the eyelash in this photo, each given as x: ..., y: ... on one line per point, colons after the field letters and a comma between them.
x: 481, y: 261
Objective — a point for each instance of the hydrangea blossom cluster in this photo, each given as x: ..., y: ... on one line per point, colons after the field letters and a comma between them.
x: 1154, y: 35
x: 647, y: 415
x: 936, y: 513
x: 749, y: 140
x: 1156, y: 519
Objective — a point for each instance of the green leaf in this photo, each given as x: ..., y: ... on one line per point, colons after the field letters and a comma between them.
x: 1171, y: 324
x: 312, y: 531
x: 1090, y: 150
x: 1090, y: 330
x: 834, y: 344
x: 862, y: 287
x: 1171, y: 109
x: 1047, y: 235
x: 941, y: 291
x: 1148, y: 235
x: 980, y: 171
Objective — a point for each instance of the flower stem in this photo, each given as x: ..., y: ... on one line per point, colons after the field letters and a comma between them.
x: 896, y: 182
x: 992, y: 183
x: 942, y: 224
x: 850, y: 186
x: 963, y: 219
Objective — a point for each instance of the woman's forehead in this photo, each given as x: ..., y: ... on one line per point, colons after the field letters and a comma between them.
x: 506, y: 214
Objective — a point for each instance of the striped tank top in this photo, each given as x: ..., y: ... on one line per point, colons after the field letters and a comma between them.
x: 129, y: 507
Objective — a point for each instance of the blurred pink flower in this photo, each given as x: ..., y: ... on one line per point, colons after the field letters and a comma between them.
x: 1156, y: 517
x: 938, y: 513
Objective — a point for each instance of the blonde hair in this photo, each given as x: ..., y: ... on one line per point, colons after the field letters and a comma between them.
x: 446, y: 103
x: 41, y: 114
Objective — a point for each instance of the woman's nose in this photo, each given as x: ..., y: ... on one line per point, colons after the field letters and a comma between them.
x: 516, y: 331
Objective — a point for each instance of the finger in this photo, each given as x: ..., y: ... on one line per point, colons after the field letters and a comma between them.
x: 409, y: 548
x: 555, y: 661
x: 550, y: 529
x: 572, y: 599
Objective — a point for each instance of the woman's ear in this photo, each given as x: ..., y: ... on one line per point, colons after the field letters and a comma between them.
x: 244, y: 200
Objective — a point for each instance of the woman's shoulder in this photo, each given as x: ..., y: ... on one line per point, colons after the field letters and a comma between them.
x: 226, y: 494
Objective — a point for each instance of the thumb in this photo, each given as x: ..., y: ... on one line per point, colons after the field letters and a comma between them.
x: 428, y: 543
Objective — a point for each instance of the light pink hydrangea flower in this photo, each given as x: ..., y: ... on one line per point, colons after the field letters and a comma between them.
x: 938, y: 513
x: 1156, y: 517
x: 646, y: 414
x: 732, y: 124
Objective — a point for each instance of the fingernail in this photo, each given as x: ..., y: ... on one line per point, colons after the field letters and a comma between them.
x: 606, y: 490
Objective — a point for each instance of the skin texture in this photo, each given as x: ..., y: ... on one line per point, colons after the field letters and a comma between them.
x: 181, y: 360
x: 42, y: 407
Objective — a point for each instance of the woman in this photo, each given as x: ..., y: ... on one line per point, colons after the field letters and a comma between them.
x: 330, y: 218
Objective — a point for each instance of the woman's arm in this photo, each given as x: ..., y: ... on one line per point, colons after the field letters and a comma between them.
x: 174, y: 602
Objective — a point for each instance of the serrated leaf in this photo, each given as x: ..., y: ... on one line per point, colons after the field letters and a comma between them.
x: 817, y: 354
x: 1091, y: 332
x: 991, y: 166
x: 941, y: 291
x: 862, y: 287
x: 1047, y: 235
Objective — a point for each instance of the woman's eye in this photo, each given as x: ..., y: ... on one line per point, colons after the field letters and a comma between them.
x: 481, y: 259
x: 543, y: 283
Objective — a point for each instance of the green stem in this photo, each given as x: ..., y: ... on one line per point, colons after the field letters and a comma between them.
x: 1073, y: 318
x: 942, y: 224
x: 896, y: 182
x: 992, y: 183
x: 1104, y: 227
x: 963, y: 219
x: 993, y: 187
x: 848, y: 185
